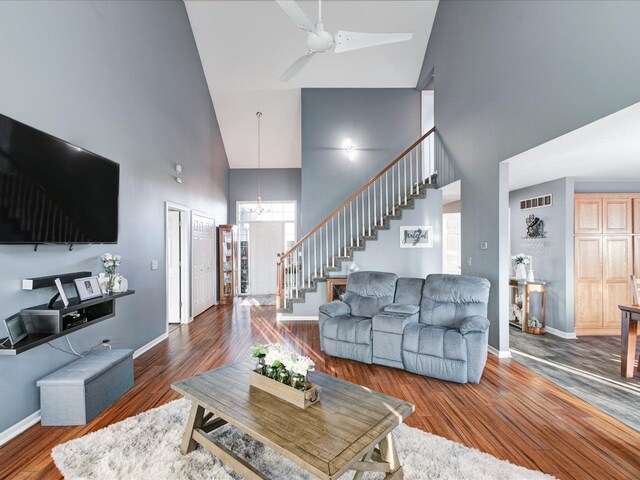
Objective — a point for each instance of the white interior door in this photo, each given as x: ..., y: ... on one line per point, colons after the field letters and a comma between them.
x: 173, y: 266
x: 266, y: 240
x: 203, y: 245
x: 452, y: 255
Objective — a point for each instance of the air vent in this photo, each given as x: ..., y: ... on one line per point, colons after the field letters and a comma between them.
x: 537, y: 202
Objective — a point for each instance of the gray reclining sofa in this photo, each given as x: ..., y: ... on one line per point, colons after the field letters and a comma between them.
x: 435, y: 327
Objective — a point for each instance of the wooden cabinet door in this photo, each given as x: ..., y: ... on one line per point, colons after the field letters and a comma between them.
x: 588, y: 281
x: 616, y: 215
x: 617, y: 270
x: 588, y: 214
x: 636, y: 215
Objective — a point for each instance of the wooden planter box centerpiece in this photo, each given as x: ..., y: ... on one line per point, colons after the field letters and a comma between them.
x: 299, y: 398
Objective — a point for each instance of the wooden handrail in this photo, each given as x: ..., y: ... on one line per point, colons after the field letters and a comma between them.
x: 358, y: 192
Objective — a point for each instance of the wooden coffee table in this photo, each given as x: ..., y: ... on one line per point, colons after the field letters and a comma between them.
x: 349, y: 429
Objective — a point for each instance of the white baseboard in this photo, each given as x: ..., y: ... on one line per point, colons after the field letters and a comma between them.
x: 560, y: 333
x: 34, y: 418
x: 150, y: 345
x: 297, y: 318
x: 499, y: 353
x: 19, y: 427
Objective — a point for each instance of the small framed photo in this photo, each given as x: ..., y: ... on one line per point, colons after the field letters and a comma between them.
x: 416, y: 237
x: 87, y: 288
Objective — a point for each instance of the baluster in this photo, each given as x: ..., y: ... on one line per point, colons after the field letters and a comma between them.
x: 386, y: 190
x: 344, y: 218
x: 357, y: 224
x: 375, y: 214
x: 339, y: 233
x: 321, y: 251
x: 351, y: 223
x: 399, y: 183
x: 309, y: 265
x: 417, y: 171
x: 333, y: 243
x: 381, y: 204
x: 369, y: 208
x: 411, y: 171
x: 315, y: 257
x: 364, y: 230
x: 393, y: 190
x: 326, y: 242
x: 405, y: 179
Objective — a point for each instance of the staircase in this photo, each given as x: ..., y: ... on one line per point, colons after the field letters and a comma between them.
x: 354, y: 223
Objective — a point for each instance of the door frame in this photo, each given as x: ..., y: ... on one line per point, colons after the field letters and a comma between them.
x: 185, y: 255
x: 216, y: 273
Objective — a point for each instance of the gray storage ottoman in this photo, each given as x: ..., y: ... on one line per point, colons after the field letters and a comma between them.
x: 75, y: 394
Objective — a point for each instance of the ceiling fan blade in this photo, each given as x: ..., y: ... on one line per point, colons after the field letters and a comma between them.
x: 297, y: 16
x: 296, y: 66
x: 347, y: 41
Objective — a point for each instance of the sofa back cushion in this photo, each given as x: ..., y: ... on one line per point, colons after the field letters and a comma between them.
x: 369, y: 292
x: 409, y: 291
x: 448, y: 299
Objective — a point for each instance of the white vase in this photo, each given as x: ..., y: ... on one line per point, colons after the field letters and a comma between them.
x: 530, y: 276
x: 521, y: 271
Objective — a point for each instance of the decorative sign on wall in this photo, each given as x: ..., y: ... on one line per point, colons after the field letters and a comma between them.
x: 416, y: 237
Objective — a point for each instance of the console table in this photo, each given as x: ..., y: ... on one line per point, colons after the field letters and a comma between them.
x: 630, y: 316
x: 527, y: 287
x: 336, y: 286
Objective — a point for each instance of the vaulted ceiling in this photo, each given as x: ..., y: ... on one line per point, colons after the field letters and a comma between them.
x: 246, y: 45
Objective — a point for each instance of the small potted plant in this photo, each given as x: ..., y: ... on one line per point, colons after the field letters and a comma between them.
x: 300, y: 369
x: 520, y: 262
x: 259, y: 351
x: 111, y: 263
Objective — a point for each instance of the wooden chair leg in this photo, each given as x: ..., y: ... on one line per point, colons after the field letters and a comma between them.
x: 195, y: 421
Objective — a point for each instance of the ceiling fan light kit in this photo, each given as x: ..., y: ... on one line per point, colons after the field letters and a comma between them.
x: 320, y: 41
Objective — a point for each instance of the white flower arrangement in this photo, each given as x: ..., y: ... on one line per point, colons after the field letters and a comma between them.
x: 110, y: 262
x: 521, y: 259
x: 278, y: 355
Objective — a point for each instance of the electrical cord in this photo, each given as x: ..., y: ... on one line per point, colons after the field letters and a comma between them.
x: 103, y: 344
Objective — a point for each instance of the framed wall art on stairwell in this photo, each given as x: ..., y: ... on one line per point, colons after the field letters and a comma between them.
x: 416, y: 237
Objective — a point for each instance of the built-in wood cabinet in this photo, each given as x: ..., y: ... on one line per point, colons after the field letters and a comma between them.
x: 606, y: 254
x: 616, y: 215
x: 588, y: 215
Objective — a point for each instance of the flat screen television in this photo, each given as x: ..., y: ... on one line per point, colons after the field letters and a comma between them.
x: 54, y: 192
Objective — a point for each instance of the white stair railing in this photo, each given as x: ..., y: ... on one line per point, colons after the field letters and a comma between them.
x: 321, y: 250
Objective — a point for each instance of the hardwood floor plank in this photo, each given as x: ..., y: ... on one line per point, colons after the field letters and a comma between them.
x: 514, y: 413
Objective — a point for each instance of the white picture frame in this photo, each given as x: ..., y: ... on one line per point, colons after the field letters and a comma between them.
x: 63, y: 296
x: 416, y: 236
x: 87, y: 288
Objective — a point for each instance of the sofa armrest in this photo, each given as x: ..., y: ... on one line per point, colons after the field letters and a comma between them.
x: 335, y: 309
x: 475, y: 323
x: 402, y: 308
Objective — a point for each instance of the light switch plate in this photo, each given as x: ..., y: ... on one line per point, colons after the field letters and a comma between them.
x: 469, y: 261
x: 154, y: 264
x: 484, y: 245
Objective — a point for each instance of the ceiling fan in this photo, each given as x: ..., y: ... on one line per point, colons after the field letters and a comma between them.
x: 319, y: 40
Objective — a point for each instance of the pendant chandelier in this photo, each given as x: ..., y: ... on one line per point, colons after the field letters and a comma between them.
x: 259, y: 209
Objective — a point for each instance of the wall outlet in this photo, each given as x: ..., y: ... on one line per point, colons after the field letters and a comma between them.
x: 154, y: 264
x: 468, y: 261
x: 484, y: 245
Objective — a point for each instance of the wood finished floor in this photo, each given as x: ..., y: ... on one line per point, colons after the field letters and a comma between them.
x: 513, y: 414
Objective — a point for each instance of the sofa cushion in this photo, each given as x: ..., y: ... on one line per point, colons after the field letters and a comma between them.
x: 348, y: 328
x: 435, y: 341
x: 393, y: 322
x: 448, y: 299
x: 409, y: 291
x: 401, y: 308
x: 335, y: 308
x: 369, y: 292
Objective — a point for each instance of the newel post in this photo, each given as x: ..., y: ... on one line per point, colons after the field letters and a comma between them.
x: 279, y: 282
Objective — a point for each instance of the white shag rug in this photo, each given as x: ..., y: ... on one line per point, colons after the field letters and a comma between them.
x: 147, y: 446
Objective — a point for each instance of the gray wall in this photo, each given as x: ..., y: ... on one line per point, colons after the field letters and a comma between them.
x: 382, y: 123
x: 554, y: 263
x: 277, y: 184
x: 510, y: 76
x: 124, y: 80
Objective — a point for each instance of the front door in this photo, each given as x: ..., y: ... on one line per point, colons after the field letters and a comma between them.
x: 266, y: 241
